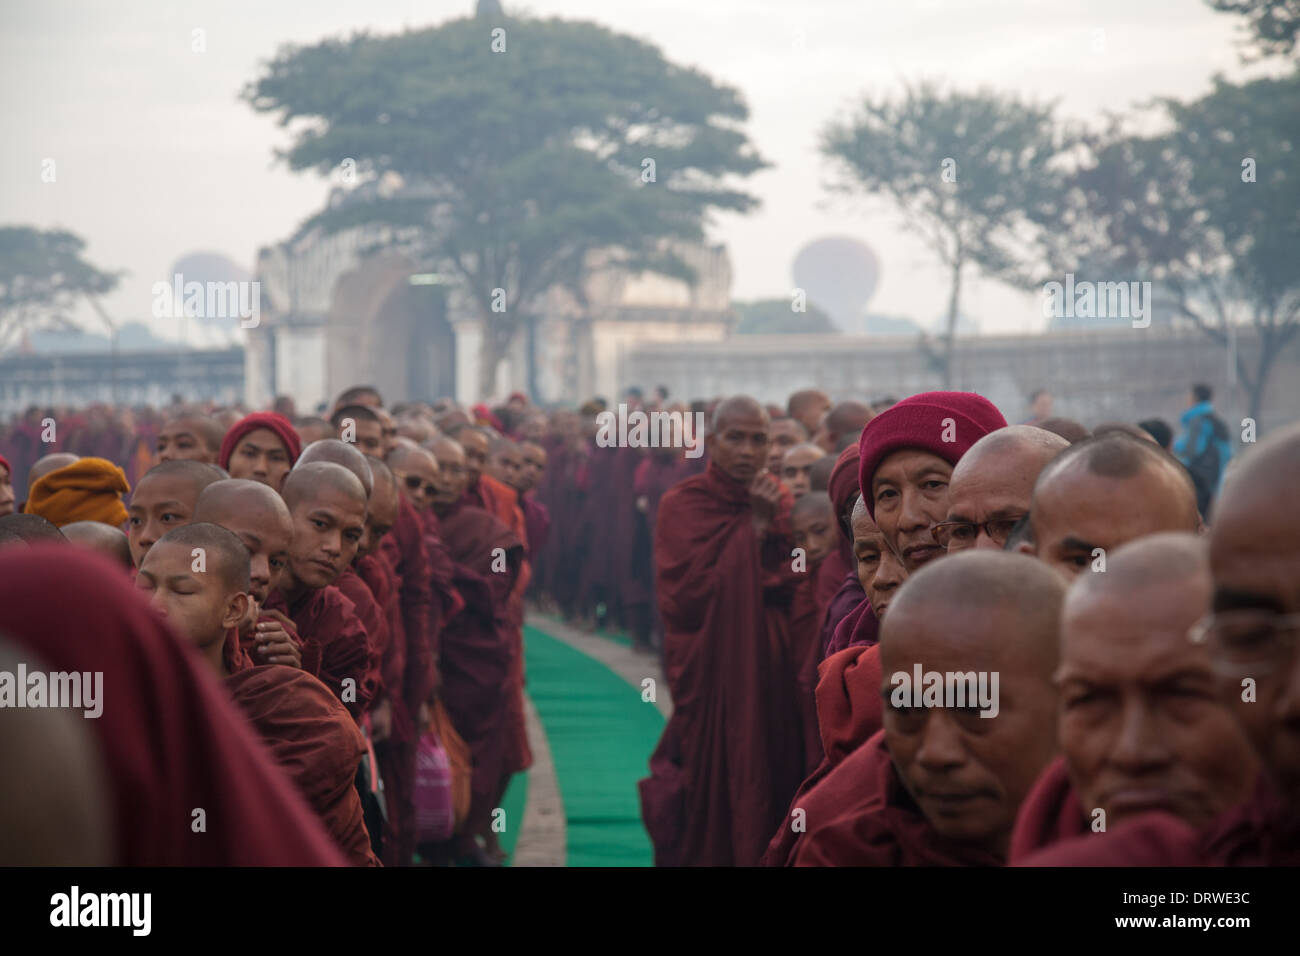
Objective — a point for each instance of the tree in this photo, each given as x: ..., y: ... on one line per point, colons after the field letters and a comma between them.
x: 42, y: 275
x: 1272, y: 24
x: 518, y: 148
x: 970, y: 173
x: 1205, y: 211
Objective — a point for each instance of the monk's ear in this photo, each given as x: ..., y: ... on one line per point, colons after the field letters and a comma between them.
x: 1027, y: 547
x: 237, y: 608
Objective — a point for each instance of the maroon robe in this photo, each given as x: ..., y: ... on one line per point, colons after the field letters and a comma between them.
x: 373, y: 619
x: 1050, y: 814
x: 879, y: 824
x: 335, y: 647
x: 729, y: 759
x: 315, y: 741
x: 860, y: 628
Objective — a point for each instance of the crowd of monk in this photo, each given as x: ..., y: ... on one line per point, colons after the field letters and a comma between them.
x: 366, y: 576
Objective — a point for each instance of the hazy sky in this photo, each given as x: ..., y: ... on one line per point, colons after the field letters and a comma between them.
x: 156, y: 156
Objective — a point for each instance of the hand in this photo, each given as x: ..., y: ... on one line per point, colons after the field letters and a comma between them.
x: 275, y: 645
x: 764, y: 497
x: 381, y: 720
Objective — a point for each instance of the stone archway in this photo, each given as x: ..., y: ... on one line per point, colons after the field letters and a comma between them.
x: 413, y: 344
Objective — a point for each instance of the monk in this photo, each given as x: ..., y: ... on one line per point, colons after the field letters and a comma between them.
x: 1103, y: 492
x: 729, y: 758
x: 259, y: 518
x: 195, y: 437
x: 786, y: 433
x: 993, y: 484
x: 796, y: 468
x: 169, y: 738
x: 88, y: 489
x: 305, y: 728
x: 537, y: 519
x: 165, y: 498
x: 313, y: 428
x: 360, y: 425
x: 1141, y: 724
x: 366, y: 395
x: 261, y: 447
x: 48, y: 463
x: 813, y: 528
x: 842, y: 426
x: 839, y: 592
x: 942, y: 782
x: 30, y: 528
x: 327, y: 505
x: 807, y: 407
x: 6, y: 487
x: 107, y: 540
x: 477, y: 650
x: 505, y: 461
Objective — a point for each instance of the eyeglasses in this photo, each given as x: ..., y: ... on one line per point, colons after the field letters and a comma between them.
x: 414, y: 483
x: 1257, y: 640
x: 962, y: 534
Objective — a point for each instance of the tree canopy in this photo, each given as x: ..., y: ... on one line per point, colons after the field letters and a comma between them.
x: 42, y: 274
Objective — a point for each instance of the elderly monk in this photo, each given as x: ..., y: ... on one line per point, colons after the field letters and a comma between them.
x: 165, y: 498
x: 111, y: 542
x: 327, y: 505
x: 88, y: 489
x: 807, y: 407
x: 1141, y: 725
x: 261, y: 447
x: 993, y: 484
x: 260, y: 519
x: 478, y: 648
x: 842, y: 426
x: 796, y: 468
x: 195, y: 437
x: 729, y: 758
x: 1103, y: 492
x: 968, y: 651
x: 785, y: 434
x: 309, y: 732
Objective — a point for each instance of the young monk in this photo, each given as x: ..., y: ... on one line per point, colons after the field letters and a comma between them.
x: 107, y: 540
x: 165, y: 498
x: 842, y: 426
x: 785, y: 434
x: 88, y: 489
x: 261, y: 447
x: 360, y: 425
x: 1104, y: 492
x: 1141, y: 724
x: 197, y: 578
x: 807, y: 407
x: 327, y: 505
x: 729, y: 758
x: 796, y: 468
x: 259, y: 518
x: 992, y: 486
x: 195, y: 437
x: 942, y: 782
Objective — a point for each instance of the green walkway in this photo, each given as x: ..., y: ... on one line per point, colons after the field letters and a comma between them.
x: 601, y: 734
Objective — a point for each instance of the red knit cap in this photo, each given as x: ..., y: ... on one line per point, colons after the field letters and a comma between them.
x: 919, y: 422
x: 7, y: 467
x: 276, y: 423
x: 844, y: 485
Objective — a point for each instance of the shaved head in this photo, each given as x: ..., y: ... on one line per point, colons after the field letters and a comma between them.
x: 452, y: 475
x: 107, y: 540
x: 807, y: 407
x: 237, y: 494
x: 339, y: 453
x: 196, y: 437
x: 738, y: 407
x: 231, y: 557
x: 258, y: 516
x: 796, y: 467
x: 843, y: 426
x: 43, y: 466
x: 31, y: 528
x: 738, y: 439
x: 327, y: 505
x: 315, y: 477
x: 165, y: 498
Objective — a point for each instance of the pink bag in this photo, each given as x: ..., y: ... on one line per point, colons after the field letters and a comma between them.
x: 431, y: 796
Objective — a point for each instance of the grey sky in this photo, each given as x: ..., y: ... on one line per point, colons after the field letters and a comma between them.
x: 156, y: 155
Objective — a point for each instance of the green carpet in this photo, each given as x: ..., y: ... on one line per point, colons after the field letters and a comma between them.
x: 601, y: 734
x: 515, y: 799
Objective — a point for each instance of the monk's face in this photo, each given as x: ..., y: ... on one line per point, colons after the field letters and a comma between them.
x: 452, y: 477
x: 1255, y: 562
x: 369, y: 437
x: 181, y: 439
x: 381, y: 515
x: 418, y: 479
x: 388, y: 429
x: 1141, y: 724
x: 160, y: 503
x: 200, y: 606
x: 507, y: 465
x: 533, y: 429
x: 783, y: 435
x: 327, y: 529
x: 796, y: 469
x: 812, y: 411
x: 261, y: 456
x: 475, y: 445
x: 880, y: 572
x: 910, y: 490
x: 739, y: 446
x: 816, y: 533
x: 267, y: 534
x: 968, y: 773
x: 994, y: 490
x: 6, y: 492
x: 533, y: 462
x: 1076, y: 512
